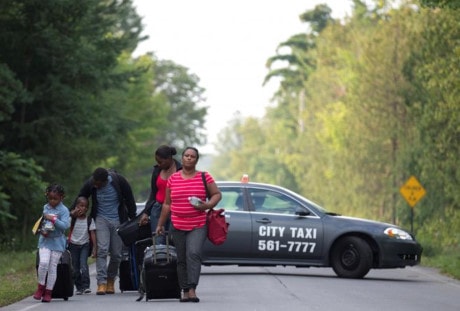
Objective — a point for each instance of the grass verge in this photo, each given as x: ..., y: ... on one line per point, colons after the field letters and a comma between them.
x: 18, y: 275
x: 448, y: 264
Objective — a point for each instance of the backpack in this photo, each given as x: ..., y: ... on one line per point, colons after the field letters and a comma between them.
x: 215, y: 219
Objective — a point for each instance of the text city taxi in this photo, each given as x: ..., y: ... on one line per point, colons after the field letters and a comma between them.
x: 290, y: 246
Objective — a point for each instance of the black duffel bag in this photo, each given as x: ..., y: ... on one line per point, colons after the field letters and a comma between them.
x: 130, y: 231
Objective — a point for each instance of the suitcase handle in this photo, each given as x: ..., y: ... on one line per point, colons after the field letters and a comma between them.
x: 152, y: 239
x: 168, y: 255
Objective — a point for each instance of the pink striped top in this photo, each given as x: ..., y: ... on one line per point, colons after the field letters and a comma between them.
x: 183, y: 215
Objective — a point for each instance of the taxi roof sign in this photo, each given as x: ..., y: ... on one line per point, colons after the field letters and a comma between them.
x: 412, y: 191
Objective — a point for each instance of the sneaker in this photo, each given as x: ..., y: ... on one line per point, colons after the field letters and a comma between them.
x: 79, y: 292
x: 87, y: 291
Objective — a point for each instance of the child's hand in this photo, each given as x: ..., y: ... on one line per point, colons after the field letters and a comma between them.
x: 78, y: 212
x: 51, y: 217
x: 48, y: 216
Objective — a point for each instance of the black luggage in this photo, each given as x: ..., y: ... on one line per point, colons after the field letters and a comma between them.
x: 140, y: 250
x: 63, y: 288
x: 128, y: 270
x: 159, y: 273
x: 130, y: 231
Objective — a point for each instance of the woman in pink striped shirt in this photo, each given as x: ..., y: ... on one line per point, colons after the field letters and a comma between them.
x: 188, y: 221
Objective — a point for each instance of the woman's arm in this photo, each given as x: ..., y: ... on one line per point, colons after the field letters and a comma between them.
x: 165, y: 211
x: 215, y: 197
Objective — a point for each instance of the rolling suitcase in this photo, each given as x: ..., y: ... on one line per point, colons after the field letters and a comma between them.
x: 63, y: 288
x: 128, y: 270
x: 159, y: 273
x: 141, y: 245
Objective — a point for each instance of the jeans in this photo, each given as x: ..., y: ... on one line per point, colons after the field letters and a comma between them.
x: 154, y: 217
x: 189, y: 246
x: 108, y: 242
x: 79, y: 255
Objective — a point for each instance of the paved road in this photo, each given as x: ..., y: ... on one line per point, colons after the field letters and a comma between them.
x: 285, y: 289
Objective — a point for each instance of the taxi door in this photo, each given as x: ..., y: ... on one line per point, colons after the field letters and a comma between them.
x: 279, y: 232
x: 238, y: 242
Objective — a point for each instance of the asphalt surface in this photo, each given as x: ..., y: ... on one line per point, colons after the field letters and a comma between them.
x: 277, y: 288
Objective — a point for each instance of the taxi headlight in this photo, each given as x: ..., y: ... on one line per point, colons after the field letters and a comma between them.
x: 396, y: 233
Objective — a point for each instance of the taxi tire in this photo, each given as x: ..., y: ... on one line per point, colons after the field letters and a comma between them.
x: 351, y: 257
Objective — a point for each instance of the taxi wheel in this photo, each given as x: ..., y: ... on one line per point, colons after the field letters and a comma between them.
x: 351, y: 257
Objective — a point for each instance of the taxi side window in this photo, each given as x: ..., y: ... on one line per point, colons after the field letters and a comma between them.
x: 272, y: 202
x: 232, y: 199
x: 258, y: 199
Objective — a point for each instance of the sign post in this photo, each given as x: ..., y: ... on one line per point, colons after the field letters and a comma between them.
x: 412, y: 191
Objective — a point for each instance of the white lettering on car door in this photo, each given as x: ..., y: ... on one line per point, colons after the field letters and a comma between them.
x: 293, y: 245
x: 271, y: 231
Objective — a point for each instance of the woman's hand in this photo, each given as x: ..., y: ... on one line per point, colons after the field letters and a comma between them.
x: 202, y: 206
x: 144, y: 219
x: 160, y: 230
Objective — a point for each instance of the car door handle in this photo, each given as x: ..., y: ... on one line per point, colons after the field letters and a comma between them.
x: 264, y: 221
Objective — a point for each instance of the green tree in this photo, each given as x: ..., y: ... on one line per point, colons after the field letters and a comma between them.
x: 380, y: 104
x: 435, y: 72
x: 184, y: 98
x: 170, y: 101
x: 64, y: 63
x: 60, y: 57
x: 287, y: 119
x: 453, y: 4
x: 21, y: 197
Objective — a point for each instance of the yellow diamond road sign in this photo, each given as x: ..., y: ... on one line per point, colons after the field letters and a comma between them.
x: 412, y: 191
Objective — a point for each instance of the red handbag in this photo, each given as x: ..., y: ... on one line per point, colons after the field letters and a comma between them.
x: 217, y: 226
x: 215, y: 219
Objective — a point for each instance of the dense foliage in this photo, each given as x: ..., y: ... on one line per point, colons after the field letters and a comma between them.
x: 363, y: 104
x: 72, y: 97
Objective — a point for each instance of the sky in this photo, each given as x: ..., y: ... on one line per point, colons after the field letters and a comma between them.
x: 226, y: 44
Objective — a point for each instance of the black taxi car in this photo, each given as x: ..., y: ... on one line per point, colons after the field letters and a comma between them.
x: 271, y: 225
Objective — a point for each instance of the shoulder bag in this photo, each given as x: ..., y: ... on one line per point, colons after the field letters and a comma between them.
x: 215, y: 220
